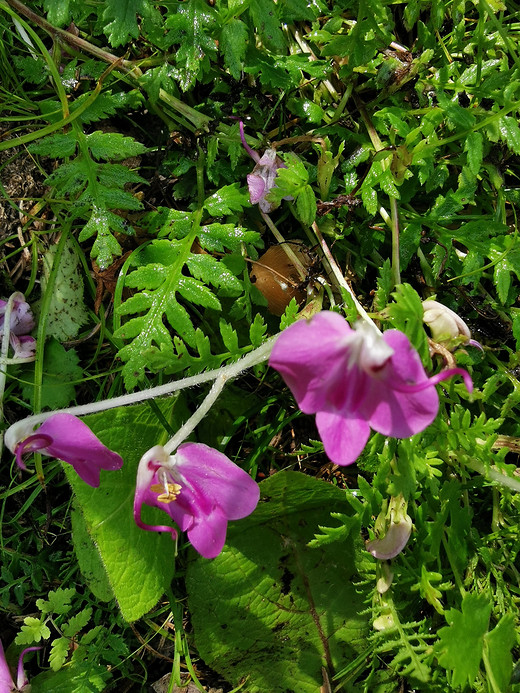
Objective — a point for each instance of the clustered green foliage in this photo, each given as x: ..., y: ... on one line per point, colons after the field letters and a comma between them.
x: 394, y: 121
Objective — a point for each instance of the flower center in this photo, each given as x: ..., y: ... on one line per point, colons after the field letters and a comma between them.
x: 167, y: 493
x: 168, y: 490
x: 367, y: 349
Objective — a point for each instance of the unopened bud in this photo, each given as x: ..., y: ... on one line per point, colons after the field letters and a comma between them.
x: 444, y: 323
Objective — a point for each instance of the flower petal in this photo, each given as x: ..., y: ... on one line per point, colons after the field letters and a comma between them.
x: 149, y: 464
x: 343, y: 437
x: 312, y: 358
x: 72, y: 441
x: 6, y: 680
x: 394, y: 413
x: 209, y: 535
x: 256, y: 185
x: 212, y: 476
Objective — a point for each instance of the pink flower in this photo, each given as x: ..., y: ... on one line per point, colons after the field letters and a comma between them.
x: 262, y: 178
x: 20, y: 324
x: 67, y: 438
x: 7, y: 684
x: 199, y: 488
x: 356, y: 379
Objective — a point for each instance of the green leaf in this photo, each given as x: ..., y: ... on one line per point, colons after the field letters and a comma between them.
x: 58, y: 653
x: 189, y: 29
x: 233, y: 44
x: 81, y: 677
x: 113, y: 145
x: 57, y: 602
x: 77, y: 623
x: 461, y: 642
x: 230, y: 198
x: 58, y: 11
x: 32, y: 631
x: 139, y: 565
x: 474, y: 148
x: 58, y: 146
x: 406, y: 314
x: 265, y: 19
x: 61, y: 370
x: 120, y: 19
x: 306, y: 205
x: 267, y: 596
x: 67, y: 310
x: 510, y: 133
x: 89, y: 559
x: 498, y: 659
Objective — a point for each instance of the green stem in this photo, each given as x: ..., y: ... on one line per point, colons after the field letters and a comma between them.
x: 66, y: 37
x: 396, y: 273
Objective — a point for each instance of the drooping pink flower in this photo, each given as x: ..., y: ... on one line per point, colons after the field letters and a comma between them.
x: 7, y: 684
x: 20, y: 324
x: 262, y: 178
x: 199, y: 488
x: 355, y: 380
x: 66, y: 438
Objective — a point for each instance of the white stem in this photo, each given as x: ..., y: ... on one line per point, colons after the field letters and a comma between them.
x: 190, y: 425
x: 21, y: 429
x: 493, y: 475
x: 3, y: 352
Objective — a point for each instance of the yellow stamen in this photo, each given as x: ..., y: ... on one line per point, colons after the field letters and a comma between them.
x: 170, y: 492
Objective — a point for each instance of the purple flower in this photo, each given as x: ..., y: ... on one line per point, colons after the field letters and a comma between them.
x: 357, y: 379
x: 262, y: 178
x: 199, y: 488
x: 67, y: 438
x: 7, y: 684
x: 20, y: 324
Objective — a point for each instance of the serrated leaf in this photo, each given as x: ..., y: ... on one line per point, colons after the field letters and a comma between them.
x: 189, y: 28
x: 233, y: 44
x: 474, y: 149
x: 214, y: 272
x: 32, y: 631
x: 306, y: 205
x: 120, y: 19
x: 265, y: 19
x: 105, y: 247
x: 230, y: 198
x: 58, y: 653
x: 57, y: 602
x: 196, y: 292
x: 510, y: 133
x: 113, y: 145
x: 58, y: 146
x: 77, y: 623
x: 461, y: 642
x: 229, y: 336
x: 406, y: 315
x: 257, y: 330
x: 83, y: 677
x: 266, y: 595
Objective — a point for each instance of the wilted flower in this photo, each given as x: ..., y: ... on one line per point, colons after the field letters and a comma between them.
x: 262, y: 178
x: 20, y: 324
x: 7, y: 684
x: 66, y: 438
x: 199, y: 488
x: 356, y: 379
